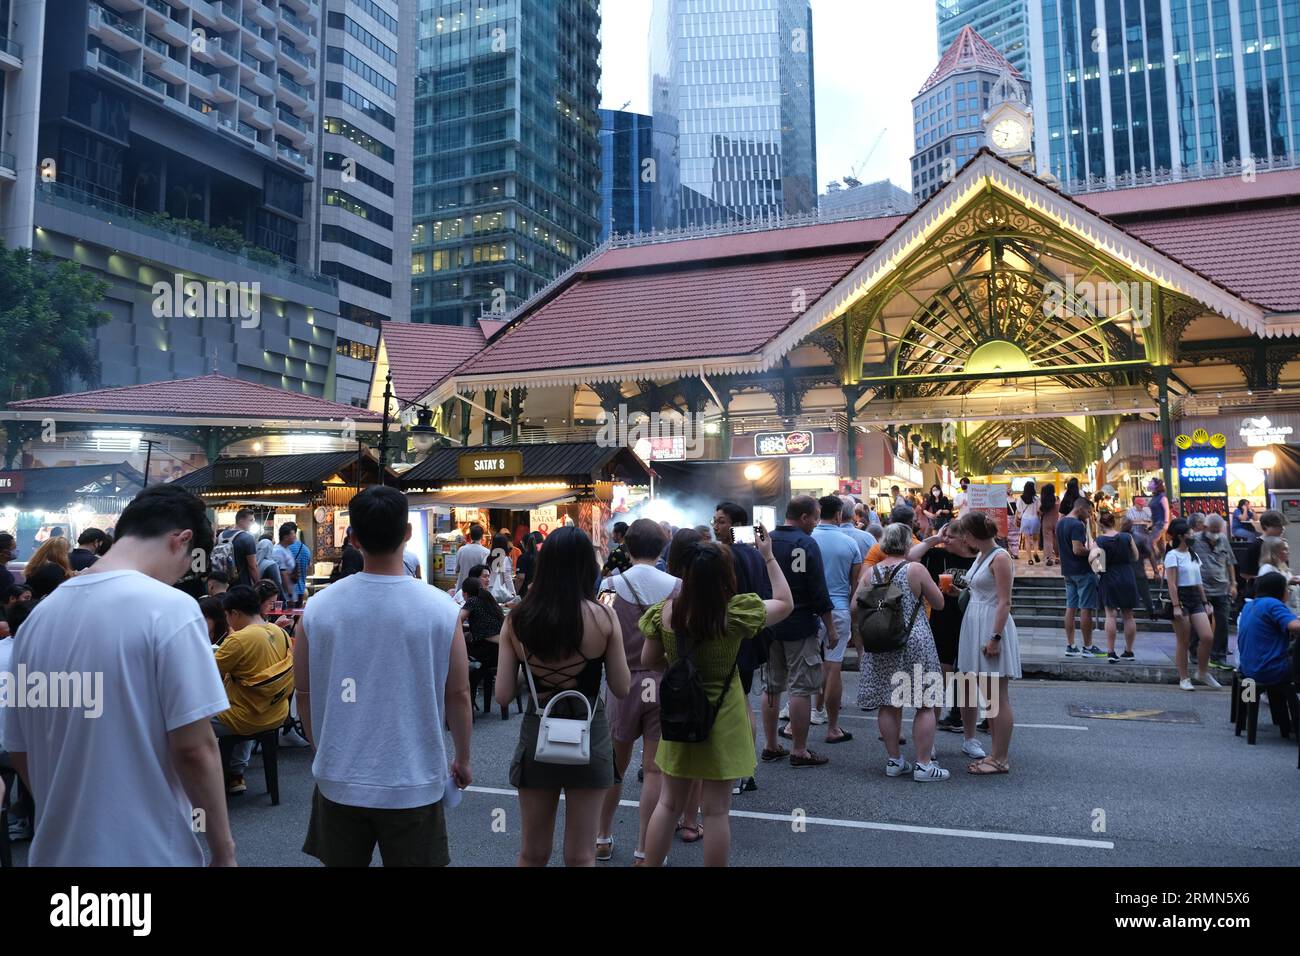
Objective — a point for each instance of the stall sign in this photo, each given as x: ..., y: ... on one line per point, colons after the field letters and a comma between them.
x: 783, y: 444
x: 11, y: 482
x: 851, y: 487
x: 242, y: 474
x: 816, y: 465
x: 661, y: 449
x: 1203, y: 470
x: 544, y: 519
x: 1260, y: 432
x: 500, y: 464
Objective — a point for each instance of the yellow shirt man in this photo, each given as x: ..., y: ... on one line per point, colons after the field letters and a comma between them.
x: 245, y: 656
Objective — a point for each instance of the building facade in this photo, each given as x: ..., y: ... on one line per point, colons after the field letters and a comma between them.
x: 22, y: 31
x: 628, y: 173
x: 364, y: 168
x: 507, y: 152
x: 853, y: 199
x: 1004, y: 23
x: 1134, y: 87
x: 734, y: 80
x: 948, y: 113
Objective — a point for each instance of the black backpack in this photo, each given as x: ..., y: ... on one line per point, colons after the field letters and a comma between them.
x: 685, y: 714
x: 882, y: 626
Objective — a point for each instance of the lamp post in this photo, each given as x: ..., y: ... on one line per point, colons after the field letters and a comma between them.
x: 424, y: 436
x: 752, y: 474
x: 1265, y: 460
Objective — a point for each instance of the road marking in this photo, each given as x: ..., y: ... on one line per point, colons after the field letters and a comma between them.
x: 871, y: 825
x: 908, y: 720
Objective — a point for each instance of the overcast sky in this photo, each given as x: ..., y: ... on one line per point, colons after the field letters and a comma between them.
x: 871, y: 58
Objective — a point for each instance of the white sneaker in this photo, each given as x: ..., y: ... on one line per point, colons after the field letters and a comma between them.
x: 819, y: 717
x: 896, y: 768
x: 785, y: 713
x: 971, y: 748
x: 1207, y: 679
x: 1186, y: 684
x: 291, y: 738
x: 928, y: 774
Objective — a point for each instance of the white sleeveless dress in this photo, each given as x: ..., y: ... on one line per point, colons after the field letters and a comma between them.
x: 977, y: 627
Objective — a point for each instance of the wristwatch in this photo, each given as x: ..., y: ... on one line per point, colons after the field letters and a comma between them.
x: 997, y: 637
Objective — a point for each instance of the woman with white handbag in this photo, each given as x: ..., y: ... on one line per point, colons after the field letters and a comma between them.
x: 566, y: 640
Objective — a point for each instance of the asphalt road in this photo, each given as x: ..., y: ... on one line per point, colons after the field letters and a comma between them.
x: 1172, y: 794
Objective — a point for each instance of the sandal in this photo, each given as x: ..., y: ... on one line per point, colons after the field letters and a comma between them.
x: 692, y: 834
x: 779, y: 754
x: 604, y: 849
x: 843, y: 738
x: 988, y: 766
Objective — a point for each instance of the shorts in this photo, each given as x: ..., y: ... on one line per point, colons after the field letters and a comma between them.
x: 341, y: 835
x: 634, y: 716
x: 843, y: 630
x: 794, y: 667
x: 1190, y: 600
x: 1029, y: 527
x: 1081, y: 591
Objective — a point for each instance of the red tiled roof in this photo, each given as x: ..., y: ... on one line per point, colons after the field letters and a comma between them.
x: 1120, y: 204
x: 421, y: 355
x: 728, y: 309
x: 215, y: 395
x: 491, y: 327
x: 1253, y: 254
x: 970, y: 51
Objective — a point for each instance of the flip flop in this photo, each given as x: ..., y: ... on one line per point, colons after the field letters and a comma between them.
x: 988, y: 767
x: 844, y: 737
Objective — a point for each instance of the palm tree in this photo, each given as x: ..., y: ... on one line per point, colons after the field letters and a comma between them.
x: 143, y: 177
x: 188, y: 195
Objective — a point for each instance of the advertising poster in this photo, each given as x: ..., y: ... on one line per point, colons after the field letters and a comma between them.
x: 992, y: 500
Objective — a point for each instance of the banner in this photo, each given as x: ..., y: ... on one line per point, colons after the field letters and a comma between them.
x: 992, y: 500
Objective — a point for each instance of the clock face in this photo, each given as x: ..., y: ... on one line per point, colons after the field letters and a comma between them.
x: 1008, y: 133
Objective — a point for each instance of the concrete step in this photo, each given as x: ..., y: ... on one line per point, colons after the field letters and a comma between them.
x: 1037, y: 618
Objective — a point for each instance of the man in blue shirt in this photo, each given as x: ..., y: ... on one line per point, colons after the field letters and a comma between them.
x: 842, y: 562
x: 1264, y: 633
x: 865, y: 540
x: 794, y: 663
x: 1081, y: 591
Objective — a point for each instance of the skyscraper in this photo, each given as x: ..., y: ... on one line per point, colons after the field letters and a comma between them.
x: 1163, y: 85
x: 628, y: 173
x: 507, y: 152
x: 364, y: 173
x: 948, y: 113
x: 1003, y: 23
x: 734, y: 79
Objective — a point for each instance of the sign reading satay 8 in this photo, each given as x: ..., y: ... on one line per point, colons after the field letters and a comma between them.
x: 501, y: 464
x: 783, y: 444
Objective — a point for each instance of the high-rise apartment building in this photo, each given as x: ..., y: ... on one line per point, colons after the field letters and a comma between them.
x: 1136, y: 86
x: 629, y: 173
x: 22, y: 31
x: 170, y: 147
x: 1003, y: 23
x: 506, y: 191
x: 948, y: 113
x: 363, y: 180
x: 733, y: 79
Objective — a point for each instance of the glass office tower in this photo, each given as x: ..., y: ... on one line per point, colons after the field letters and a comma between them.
x: 734, y: 80
x: 1163, y: 85
x: 1004, y: 23
x: 627, y: 173
x: 506, y: 192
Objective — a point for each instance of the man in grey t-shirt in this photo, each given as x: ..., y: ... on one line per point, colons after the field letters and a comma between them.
x: 471, y: 554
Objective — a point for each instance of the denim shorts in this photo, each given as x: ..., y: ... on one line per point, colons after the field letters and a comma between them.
x: 1081, y: 591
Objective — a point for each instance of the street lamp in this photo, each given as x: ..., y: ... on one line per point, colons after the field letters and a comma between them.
x: 752, y: 474
x: 424, y: 435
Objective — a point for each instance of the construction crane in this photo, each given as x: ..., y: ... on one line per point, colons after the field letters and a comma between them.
x: 851, y: 180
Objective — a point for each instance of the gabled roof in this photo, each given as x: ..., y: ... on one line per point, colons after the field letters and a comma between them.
x: 421, y: 355
x: 288, y: 470
x: 215, y: 395
x: 61, y: 484
x: 969, y: 51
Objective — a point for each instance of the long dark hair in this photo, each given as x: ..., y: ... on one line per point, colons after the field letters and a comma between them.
x: 549, y: 621
x: 1070, y: 497
x: 708, y: 585
x: 1049, y: 497
x: 683, y: 539
x: 1179, y: 529
x: 1027, y: 495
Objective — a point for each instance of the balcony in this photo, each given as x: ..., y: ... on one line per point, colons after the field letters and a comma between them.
x: 286, y: 117
x: 290, y: 154
x: 161, y: 22
x: 157, y: 84
x: 297, y: 62
x: 295, y: 24
x: 171, y: 70
x: 151, y: 42
x: 112, y: 30
x: 9, y: 166
x: 261, y: 13
x: 103, y: 58
x: 250, y: 131
x: 262, y: 48
x: 226, y: 11
x: 160, y: 7
x: 225, y: 91
x: 179, y: 235
x: 200, y: 83
x: 294, y: 91
x: 11, y: 54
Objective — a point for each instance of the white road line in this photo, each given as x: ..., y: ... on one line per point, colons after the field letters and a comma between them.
x: 888, y: 827
x: 908, y: 720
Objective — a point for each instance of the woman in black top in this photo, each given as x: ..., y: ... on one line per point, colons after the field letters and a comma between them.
x: 481, y: 620
x: 1070, y: 497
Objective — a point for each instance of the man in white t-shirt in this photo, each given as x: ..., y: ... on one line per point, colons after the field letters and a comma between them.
x: 376, y: 714
x: 469, y: 555
x: 125, y: 768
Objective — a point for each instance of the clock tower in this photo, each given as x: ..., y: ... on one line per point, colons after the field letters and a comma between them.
x: 1009, y: 122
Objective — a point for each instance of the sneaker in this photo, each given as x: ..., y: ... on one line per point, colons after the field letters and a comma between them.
x: 819, y: 717
x: 1186, y: 684
x: 971, y: 748
x: 983, y: 726
x: 747, y: 785
x: 236, y: 786
x: 1221, y: 665
x: 1095, y: 651
x: 291, y: 738
x: 896, y: 768
x: 1128, y: 656
x: 929, y: 773
x: 1112, y: 658
x: 1071, y: 650
x: 785, y: 713
x: 1207, y: 679
x: 951, y: 722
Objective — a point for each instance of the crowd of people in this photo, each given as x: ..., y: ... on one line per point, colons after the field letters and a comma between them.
x: 659, y: 644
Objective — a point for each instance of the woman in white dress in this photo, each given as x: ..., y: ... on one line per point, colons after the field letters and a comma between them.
x: 988, y: 647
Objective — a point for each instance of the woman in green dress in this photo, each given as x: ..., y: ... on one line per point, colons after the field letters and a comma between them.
x: 713, y: 620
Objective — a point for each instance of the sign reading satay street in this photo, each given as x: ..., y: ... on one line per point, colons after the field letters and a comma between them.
x: 500, y: 464
x: 237, y: 474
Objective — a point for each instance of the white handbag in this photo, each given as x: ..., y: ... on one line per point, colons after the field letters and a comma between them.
x: 561, y: 740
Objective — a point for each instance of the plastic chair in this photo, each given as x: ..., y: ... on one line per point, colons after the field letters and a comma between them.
x: 1283, y: 705
x: 269, y: 740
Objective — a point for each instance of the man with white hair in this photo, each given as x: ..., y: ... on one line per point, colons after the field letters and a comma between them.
x: 863, y: 539
x: 1219, y: 577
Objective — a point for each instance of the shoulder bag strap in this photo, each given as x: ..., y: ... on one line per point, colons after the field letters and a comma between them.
x: 537, y: 704
x: 919, y: 600
x: 640, y: 604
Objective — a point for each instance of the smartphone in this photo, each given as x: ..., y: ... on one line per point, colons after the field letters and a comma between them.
x: 743, y: 535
